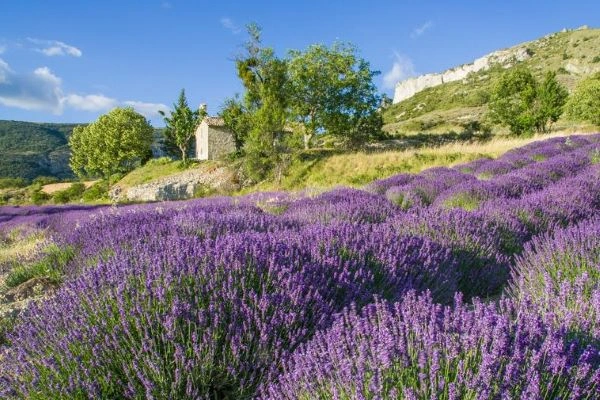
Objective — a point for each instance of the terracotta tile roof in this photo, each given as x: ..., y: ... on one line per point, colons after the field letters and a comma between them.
x: 214, y: 121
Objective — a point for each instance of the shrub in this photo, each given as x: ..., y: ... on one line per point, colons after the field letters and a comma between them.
x: 51, y: 265
x: 6, y: 183
x: 73, y: 193
x: 416, y: 349
x: 96, y: 192
x: 552, y: 259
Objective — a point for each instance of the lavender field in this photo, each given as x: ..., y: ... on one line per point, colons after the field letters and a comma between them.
x: 480, y: 281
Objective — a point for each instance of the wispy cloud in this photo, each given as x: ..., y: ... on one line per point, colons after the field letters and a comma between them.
x: 2, y: 48
x: 149, y: 110
x: 228, y: 23
x: 419, y: 31
x: 55, y: 48
x: 401, y: 69
x: 166, y: 5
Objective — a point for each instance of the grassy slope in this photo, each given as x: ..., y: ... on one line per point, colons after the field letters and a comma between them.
x: 451, y: 105
x: 356, y: 169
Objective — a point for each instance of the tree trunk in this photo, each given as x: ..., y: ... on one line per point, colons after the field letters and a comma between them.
x: 307, y: 138
x: 183, y: 154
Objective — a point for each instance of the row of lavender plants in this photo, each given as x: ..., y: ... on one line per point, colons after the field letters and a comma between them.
x: 474, y: 282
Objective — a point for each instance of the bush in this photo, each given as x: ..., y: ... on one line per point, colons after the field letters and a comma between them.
x: 71, y: 194
x: 51, y: 266
x: 96, y: 192
x: 584, y: 104
x: 38, y: 197
x: 6, y: 183
x: 45, y: 180
x: 416, y: 349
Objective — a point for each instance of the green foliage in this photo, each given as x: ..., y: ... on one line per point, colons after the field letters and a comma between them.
x: 28, y: 149
x: 38, y: 197
x: 181, y: 125
x: 71, y: 194
x: 237, y: 119
x: 6, y: 183
x: 596, y: 59
x: 50, y: 266
x: 584, y: 104
x: 117, y: 142
x: 332, y: 90
x: 265, y: 79
x: 98, y: 191
x: 551, y: 97
x: 523, y: 104
x: 45, y: 180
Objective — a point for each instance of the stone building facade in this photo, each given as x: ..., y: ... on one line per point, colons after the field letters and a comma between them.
x: 213, y: 139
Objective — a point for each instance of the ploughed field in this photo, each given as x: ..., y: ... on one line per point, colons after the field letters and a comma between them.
x: 480, y: 281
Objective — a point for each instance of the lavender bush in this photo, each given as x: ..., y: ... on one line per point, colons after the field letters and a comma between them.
x: 346, y: 294
x: 416, y: 349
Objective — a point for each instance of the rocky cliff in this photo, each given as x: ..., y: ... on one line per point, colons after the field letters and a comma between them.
x: 409, y: 87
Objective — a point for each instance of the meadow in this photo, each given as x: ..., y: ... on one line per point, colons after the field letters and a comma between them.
x: 477, y: 281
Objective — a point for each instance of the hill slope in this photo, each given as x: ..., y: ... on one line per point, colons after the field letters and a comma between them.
x: 573, y: 54
x: 28, y: 149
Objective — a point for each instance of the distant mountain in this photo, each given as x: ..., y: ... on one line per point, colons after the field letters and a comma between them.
x: 451, y: 99
x: 29, y: 149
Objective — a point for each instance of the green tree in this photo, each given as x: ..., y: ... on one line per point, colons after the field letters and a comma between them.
x: 332, y: 90
x: 237, y: 119
x: 264, y: 77
x: 117, y: 142
x: 551, y: 98
x: 181, y: 125
x: 584, y: 104
x: 522, y: 103
x: 513, y: 99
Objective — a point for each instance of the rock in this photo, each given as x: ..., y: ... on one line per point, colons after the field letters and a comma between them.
x: 409, y: 87
x: 179, y: 186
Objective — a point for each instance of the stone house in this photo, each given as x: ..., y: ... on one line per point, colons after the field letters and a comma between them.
x: 213, y: 139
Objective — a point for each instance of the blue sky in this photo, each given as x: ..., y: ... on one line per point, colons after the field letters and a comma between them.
x: 71, y: 61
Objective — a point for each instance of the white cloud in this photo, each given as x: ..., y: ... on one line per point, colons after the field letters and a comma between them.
x: 421, y: 29
x: 402, y: 68
x: 55, y: 48
x: 90, y: 102
x: 2, y: 48
x: 230, y: 25
x: 39, y: 90
x: 148, y: 110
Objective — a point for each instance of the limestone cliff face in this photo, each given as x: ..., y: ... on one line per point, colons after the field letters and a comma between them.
x: 409, y: 87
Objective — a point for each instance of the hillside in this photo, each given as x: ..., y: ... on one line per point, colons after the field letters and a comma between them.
x: 29, y: 149
x: 572, y: 54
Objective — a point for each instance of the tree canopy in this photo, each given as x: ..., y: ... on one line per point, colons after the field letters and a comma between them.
x: 332, y: 90
x: 584, y: 104
x: 117, y: 142
x: 181, y: 125
x: 523, y: 104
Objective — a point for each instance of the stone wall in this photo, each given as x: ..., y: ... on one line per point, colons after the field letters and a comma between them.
x: 179, y: 186
x: 409, y: 87
x: 220, y: 142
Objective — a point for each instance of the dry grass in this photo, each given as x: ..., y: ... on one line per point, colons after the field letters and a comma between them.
x: 359, y: 168
x: 57, y: 187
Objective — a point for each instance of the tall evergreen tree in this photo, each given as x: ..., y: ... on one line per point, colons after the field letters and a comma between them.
x: 181, y: 125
